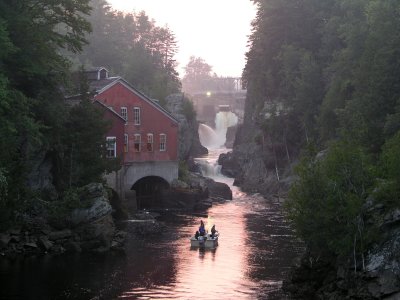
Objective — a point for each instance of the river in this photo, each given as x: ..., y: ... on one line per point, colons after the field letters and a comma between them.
x: 256, y: 248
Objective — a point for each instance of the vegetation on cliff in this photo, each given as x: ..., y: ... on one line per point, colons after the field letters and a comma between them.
x: 323, y: 75
x: 48, y: 149
x: 132, y: 46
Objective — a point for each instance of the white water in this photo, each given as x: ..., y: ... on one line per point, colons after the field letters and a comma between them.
x: 214, y: 139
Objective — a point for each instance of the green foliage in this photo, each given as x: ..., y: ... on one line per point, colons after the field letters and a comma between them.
x: 188, y: 110
x: 326, y: 72
x: 198, y: 76
x: 82, y: 158
x: 59, y: 211
x: 3, y: 188
x: 387, y: 189
x: 183, y: 171
x: 326, y: 202
x: 132, y: 46
x: 32, y: 110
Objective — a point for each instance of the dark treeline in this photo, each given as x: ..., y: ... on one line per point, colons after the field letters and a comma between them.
x: 324, y: 75
x: 47, y: 149
x: 132, y: 46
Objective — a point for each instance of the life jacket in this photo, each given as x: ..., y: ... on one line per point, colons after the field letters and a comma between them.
x: 202, y: 229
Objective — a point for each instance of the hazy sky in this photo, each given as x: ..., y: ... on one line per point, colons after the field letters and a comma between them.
x: 215, y: 30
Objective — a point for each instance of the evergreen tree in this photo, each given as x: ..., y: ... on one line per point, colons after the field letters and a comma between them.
x: 132, y: 46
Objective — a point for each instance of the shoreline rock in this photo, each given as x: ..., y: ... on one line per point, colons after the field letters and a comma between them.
x: 90, y: 229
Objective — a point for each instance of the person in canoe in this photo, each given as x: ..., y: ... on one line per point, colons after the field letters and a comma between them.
x: 213, y: 231
x: 202, y: 229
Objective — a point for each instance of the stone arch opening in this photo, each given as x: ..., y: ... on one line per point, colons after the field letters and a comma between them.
x: 150, y: 191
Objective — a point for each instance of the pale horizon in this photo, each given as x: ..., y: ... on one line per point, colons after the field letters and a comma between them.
x: 221, y: 41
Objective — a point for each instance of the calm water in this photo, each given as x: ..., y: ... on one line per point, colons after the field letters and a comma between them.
x: 256, y: 248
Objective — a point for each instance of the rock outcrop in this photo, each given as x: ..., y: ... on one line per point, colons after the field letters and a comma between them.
x: 230, y: 136
x: 189, y: 141
x: 196, y: 193
x: 90, y: 228
x: 378, y: 277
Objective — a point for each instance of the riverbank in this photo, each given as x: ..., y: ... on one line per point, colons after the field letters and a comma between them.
x: 55, y: 230
x: 375, y: 275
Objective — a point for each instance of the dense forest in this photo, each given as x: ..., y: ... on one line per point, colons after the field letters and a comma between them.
x: 132, y: 46
x: 323, y: 86
x: 322, y: 83
x: 39, y: 133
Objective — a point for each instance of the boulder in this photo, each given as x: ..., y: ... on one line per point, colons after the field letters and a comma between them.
x: 100, y: 207
x: 30, y: 245
x: 229, y: 165
x: 59, y: 235
x: 4, y: 240
x: 44, y: 243
x: 72, y: 247
x: 97, y: 235
x: 219, y: 190
x: 179, y: 184
x: 92, y: 190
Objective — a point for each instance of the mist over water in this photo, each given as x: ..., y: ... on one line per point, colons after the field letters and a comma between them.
x: 208, y: 137
x: 214, y: 139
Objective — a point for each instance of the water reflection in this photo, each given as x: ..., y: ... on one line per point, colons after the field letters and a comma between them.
x: 255, y: 251
x: 256, y: 247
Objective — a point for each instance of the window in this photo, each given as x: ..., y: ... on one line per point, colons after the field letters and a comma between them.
x: 136, y: 115
x: 111, y: 146
x: 124, y: 113
x: 163, y: 142
x: 150, y: 142
x: 137, y: 142
x: 125, y: 143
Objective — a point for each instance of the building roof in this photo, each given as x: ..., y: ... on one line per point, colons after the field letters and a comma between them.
x: 109, y: 109
x: 99, y: 86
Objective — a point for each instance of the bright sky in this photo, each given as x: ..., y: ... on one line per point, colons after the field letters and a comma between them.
x: 215, y: 30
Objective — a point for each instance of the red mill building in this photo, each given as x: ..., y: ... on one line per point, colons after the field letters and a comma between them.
x: 150, y: 137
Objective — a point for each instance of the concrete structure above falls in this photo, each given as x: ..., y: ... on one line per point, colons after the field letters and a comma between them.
x: 208, y: 103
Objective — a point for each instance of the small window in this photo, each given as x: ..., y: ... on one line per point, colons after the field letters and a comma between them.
x: 137, y: 141
x: 150, y: 142
x: 111, y: 146
x: 136, y: 115
x: 125, y: 143
x: 163, y: 142
x: 103, y: 74
x: 124, y: 113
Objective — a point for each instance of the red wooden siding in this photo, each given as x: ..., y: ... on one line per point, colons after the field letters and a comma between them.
x: 152, y: 121
x: 116, y: 130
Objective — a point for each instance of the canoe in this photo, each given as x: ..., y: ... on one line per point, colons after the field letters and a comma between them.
x: 205, y: 241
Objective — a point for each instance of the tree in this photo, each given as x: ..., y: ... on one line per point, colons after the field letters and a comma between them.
x: 132, y: 46
x: 31, y: 73
x: 326, y: 203
x: 198, y: 77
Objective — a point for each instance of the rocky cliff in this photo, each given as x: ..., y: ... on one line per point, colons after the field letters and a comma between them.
x: 377, y: 276
x: 189, y: 141
x: 259, y: 167
x: 253, y: 162
x: 87, y: 228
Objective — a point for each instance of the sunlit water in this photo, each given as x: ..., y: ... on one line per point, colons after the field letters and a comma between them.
x: 256, y: 248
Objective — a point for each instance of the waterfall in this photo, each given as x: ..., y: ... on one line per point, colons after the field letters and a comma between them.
x: 224, y: 120
x: 214, y: 139
x: 208, y: 137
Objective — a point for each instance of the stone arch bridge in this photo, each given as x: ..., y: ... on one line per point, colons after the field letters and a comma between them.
x: 140, y: 184
x: 208, y: 103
